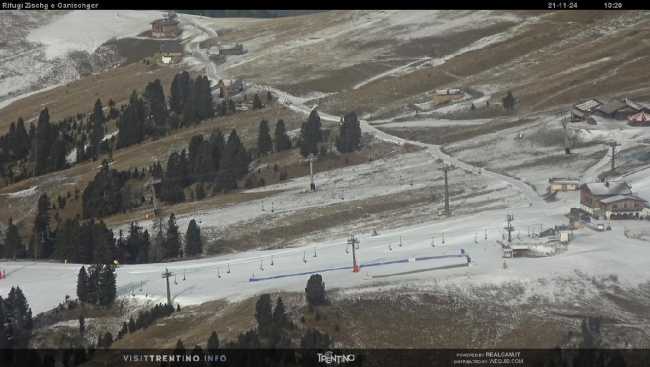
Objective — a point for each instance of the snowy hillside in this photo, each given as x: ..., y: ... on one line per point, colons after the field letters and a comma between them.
x: 82, y: 30
x: 35, y: 47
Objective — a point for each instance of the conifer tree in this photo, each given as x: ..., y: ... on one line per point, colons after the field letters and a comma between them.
x: 193, y: 243
x: 264, y: 142
x: 509, y: 101
x: 314, y: 339
x: 257, y: 102
x: 107, y: 285
x: 315, y: 291
x: 154, y: 98
x: 280, y: 317
x: 213, y: 342
x: 13, y: 242
x: 93, y: 282
x: 82, y: 324
x: 82, y: 285
x: 282, y: 141
x: 43, y: 141
x: 172, y: 241
x: 42, y: 248
x: 349, y: 138
x: 99, y: 121
x: 310, y: 134
x: 264, y: 315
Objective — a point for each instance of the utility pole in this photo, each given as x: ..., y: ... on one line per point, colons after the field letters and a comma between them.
x: 167, y: 274
x: 509, y: 227
x: 565, y: 123
x: 445, y: 168
x: 613, y: 145
x: 353, y: 241
x: 312, y: 185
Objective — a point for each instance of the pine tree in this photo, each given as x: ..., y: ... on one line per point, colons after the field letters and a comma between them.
x: 264, y: 142
x: 43, y: 141
x: 217, y: 144
x: 280, y: 317
x: 154, y: 98
x: 509, y: 101
x: 264, y: 315
x: 82, y: 285
x: 107, y: 286
x: 93, y: 283
x: 99, y: 121
x: 310, y: 134
x: 314, y: 339
x: 213, y: 342
x: 174, y: 179
x: 180, y: 348
x: 234, y: 163
x: 82, y: 324
x: 19, y: 317
x: 107, y: 340
x: 257, y: 102
x: 132, y: 326
x: 315, y: 291
x: 189, y: 105
x: 193, y: 243
x: 282, y: 141
x: 179, y: 89
x: 66, y: 245
x: 42, y: 247
x: 172, y: 242
x: 349, y: 138
x: 104, y: 244
x: 4, y: 332
x: 13, y: 242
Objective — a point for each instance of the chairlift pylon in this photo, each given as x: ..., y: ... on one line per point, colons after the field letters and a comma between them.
x: 228, y: 271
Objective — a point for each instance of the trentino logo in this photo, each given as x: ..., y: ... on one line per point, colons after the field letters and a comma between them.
x: 329, y: 358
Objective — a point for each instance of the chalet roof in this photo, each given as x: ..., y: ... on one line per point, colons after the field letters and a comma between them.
x: 610, y: 189
x: 169, y: 21
x: 588, y: 105
x: 634, y: 105
x: 612, y: 106
x: 639, y: 117
x: 171, y: 47
x: 615, y: 198
x: 560, y: 180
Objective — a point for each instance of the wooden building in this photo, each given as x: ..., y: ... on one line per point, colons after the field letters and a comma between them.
x: 583, y: 110
x: 166, y: 27
x: 611, y: 200
x: 237, y: 49
x: 557, y: 184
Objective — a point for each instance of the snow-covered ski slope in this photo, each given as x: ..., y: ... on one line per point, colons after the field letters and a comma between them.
x: 83, y: 30
x: 604, y: 253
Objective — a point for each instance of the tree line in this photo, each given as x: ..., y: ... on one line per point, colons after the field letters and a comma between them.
x: 16, y: 321
x: 44, y: 147
x: 92, y: 242
x: 97, y: 286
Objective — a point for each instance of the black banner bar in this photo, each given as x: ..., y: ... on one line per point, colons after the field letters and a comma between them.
x: 333, y: 4
x: 330, y: 357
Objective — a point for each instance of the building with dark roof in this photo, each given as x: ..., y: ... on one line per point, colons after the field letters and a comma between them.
x: 166, y: 27
x: 610, y: 200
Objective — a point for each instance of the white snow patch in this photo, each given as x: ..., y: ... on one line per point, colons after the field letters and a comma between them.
x: 86, y: 30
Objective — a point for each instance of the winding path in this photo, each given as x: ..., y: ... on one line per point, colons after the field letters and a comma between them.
x: 299, y: 105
